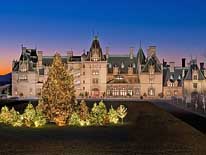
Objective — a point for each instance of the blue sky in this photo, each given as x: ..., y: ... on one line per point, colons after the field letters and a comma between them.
x: 177, y: 28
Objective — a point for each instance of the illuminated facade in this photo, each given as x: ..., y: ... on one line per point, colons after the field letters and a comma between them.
x: 98, y: 74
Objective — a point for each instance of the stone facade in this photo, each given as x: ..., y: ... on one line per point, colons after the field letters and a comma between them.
x: 105, y: 75
x: 187, y: 81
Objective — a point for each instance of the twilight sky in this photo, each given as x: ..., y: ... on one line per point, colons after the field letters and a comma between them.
x: 176, y: 27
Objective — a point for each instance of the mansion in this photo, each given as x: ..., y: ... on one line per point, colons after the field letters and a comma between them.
x: 100, y: 74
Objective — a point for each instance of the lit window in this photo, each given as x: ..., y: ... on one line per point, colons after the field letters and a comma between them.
x: 95, y: 80
x: 195, y: 85
x: 168, y: 93
x: 22, y: 77
x: 137, y: 91
x: 77, y: 82
x: 195, y: 77
x: 130, y: 92
x: 151, y: 92
x: 95, y: 72
x: 110, y: 65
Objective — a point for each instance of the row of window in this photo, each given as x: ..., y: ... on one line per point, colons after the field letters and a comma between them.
x: 169, y: 93
x: 122, y: 65
x: 130, y: 92
x: 94, y: 81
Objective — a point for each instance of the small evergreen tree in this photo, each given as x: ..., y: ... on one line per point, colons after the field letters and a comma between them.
x: 113, y: 116
x: 98, y: 114
x: 83, y: 111
x: 39, y: 119
x: 74, y: 120
x: 122, y: 112
x: 17, y: 119
x: 5, y: 115
x: 29, y: 115
x: 58, y: 94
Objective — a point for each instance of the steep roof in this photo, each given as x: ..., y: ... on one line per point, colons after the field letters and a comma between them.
x: 95, y: 43
x: 121, y: 61
x: 47, y: 60
x: 140, y: 56
x: 29, y: 56
x: 192, y: 67
x: 151, y: 61
x: 173, y: 76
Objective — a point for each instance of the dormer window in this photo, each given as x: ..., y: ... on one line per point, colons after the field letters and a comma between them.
x: 133, y: 65
x: 172, y: 77
x: 195, y: 77
x: 179, y: 77
x: 122, y: 65
x: 23, y: 68
x: 110, y: 65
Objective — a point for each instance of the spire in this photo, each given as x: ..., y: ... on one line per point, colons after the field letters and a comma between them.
x: 140, y: 55
x: 96, y: 37
x: 140, y: 44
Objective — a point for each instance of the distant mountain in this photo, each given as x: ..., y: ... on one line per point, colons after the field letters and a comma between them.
x: 5, y: 79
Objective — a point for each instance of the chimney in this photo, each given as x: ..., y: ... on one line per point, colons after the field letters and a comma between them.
x: 164, y: 63
x: 107, y: 52
x: 40, y: 55
x: 172, y: 66
x: 151, y: 51
x: 183, y: 62
x: 23, y: 49
x: 131, y: 52
x: 202, y: 66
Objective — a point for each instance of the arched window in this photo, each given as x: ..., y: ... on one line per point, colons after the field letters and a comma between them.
x: 151, y: 92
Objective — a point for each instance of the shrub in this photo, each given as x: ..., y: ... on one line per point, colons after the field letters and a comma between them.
x: 5, y: 116
x: 11, y: 117
x: 39, y: 119
x: 74, y: 119
x: 34, y: 117
x: 29, y: 115
x: 17, y: 119
x: 122, y: 112
x: 113, y: 116
x: 83, y: 111
x: 98, y: 114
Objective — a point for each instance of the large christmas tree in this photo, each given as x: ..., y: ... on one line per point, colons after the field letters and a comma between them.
x: 58, y: 94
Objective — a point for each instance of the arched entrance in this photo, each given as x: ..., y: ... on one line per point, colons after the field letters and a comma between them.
x: 95, y: 92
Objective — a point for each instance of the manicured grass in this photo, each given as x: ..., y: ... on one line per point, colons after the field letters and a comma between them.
x: 151, y: 131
